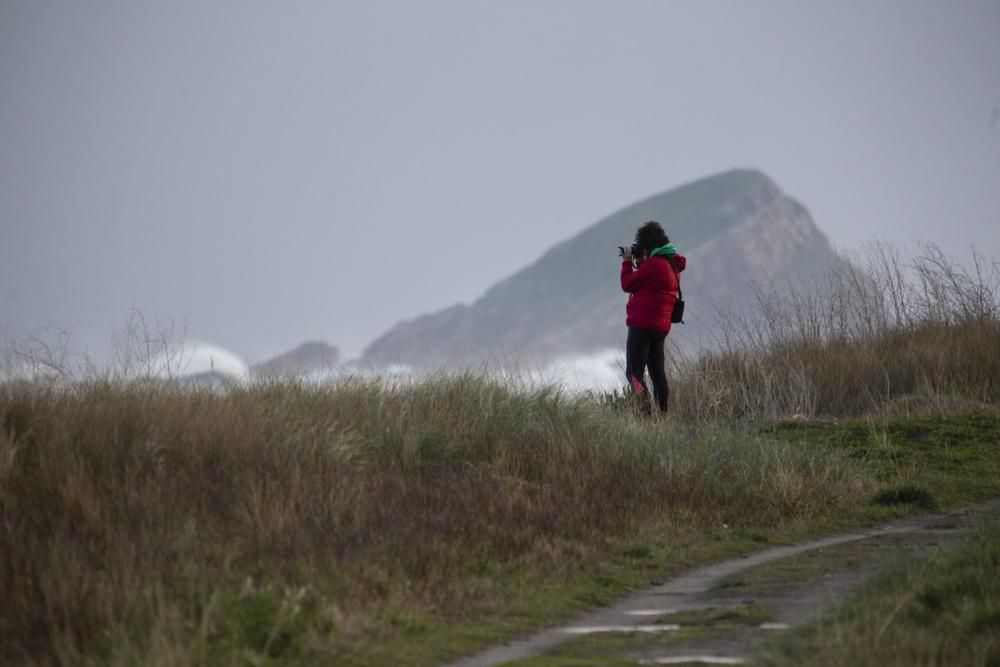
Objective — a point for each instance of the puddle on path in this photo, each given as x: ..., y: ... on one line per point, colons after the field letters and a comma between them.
x: 695, y: 659
x: 593, y: 629
x: 649, y: 612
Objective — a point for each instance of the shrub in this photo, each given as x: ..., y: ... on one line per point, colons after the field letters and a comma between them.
x: 906, y: 494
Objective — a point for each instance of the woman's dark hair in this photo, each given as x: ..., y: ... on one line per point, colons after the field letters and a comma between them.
x: 651, y: 236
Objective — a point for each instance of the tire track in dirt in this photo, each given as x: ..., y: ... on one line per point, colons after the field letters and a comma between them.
x: 793, y: 596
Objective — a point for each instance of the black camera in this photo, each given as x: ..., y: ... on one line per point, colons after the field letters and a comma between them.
x: 636, y: 250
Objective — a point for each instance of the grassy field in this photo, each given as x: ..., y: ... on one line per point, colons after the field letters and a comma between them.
x: 365, y: 524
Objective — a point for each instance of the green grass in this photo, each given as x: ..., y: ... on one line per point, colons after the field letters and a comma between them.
x: 937, y: 610
x: 918, y: 461
x: 906, y: 494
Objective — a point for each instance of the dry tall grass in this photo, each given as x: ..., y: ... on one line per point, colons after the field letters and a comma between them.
x: 131, y: 516
x: 879, y: 334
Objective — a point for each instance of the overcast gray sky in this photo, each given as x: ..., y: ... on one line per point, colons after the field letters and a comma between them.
x: 275, y: 172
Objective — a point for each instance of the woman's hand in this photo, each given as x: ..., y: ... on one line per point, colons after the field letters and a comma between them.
x: 627, y: 255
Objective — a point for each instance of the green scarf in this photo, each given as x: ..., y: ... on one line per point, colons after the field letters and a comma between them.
x: 667, y: 251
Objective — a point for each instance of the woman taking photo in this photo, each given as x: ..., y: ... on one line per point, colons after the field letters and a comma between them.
x: 652, y: 285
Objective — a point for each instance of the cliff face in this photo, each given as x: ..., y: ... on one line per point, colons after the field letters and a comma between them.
x: 735, y: 228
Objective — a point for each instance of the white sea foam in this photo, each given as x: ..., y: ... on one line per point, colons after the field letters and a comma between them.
x: 599, y: 372
x: 196, y: 358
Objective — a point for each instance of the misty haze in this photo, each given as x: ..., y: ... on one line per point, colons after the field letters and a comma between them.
x: 266, y: 178
x: 479, y: 333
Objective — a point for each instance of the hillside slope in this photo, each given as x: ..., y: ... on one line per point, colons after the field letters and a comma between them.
x: 735, y: 228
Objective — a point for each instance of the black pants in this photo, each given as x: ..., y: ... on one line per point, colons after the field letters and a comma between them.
x: 644, y: 348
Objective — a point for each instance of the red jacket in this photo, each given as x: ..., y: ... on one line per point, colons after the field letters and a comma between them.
x: 652, y: 291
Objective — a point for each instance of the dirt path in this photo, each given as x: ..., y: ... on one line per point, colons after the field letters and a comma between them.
x: 716, y: 613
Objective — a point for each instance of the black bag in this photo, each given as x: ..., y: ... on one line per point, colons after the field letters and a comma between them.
x: 677, y: 317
